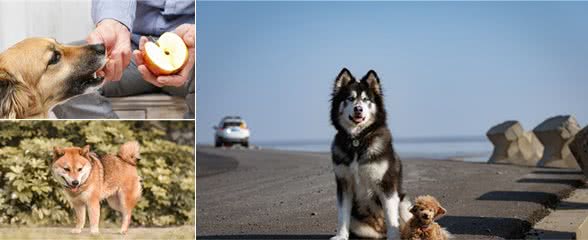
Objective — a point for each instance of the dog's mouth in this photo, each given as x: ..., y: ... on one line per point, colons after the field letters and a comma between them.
x: 426, y: 220
x: 74, y: 189
x: 95, y: 77
x: 92, y: 82
x: 357, y: 118
x: 70, y: 187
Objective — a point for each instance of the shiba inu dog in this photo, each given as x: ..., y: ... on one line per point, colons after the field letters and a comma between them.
x: 38, y: 73
x: 368, y: 172
x: 88, y: 179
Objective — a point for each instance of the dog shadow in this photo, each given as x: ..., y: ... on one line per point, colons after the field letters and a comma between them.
x: 486, y: 226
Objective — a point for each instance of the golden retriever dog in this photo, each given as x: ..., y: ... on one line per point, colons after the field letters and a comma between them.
x: 38, y: 73
x: 422, y: 225
x: 88, y: 180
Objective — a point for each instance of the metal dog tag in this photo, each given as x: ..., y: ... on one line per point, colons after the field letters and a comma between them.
x: 356, y: 143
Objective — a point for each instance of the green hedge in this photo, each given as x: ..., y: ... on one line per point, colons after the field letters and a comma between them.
x: 29, y: 194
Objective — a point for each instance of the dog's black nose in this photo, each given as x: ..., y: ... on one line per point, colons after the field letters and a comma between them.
x: 425, y: 215
x: 75, y: 183
x: 98, y: 48
x: 358, y: 109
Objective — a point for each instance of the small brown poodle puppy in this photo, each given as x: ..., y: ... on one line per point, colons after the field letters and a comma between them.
x: 422, y: 225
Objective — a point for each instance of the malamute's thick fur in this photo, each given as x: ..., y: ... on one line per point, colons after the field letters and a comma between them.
x: 367, y: 169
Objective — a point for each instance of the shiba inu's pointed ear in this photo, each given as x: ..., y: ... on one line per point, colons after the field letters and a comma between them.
x: 440, y: 212
x: 373, y: 81
x: 85, y: 150
x: 57, y: 152
x: 343, y: 79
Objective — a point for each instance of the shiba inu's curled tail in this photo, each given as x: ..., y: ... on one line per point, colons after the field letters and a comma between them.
x: 129, y: 152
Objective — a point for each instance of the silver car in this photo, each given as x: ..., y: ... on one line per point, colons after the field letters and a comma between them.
x: 231, y: 130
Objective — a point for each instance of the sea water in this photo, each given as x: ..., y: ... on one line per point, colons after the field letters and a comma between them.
x: 474, y: 149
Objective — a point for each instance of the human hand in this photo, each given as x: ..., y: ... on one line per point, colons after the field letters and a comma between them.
x: 188, y: 33
x: 117, y: 40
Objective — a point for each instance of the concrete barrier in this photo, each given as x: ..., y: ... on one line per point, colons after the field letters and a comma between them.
x: 579, y: 148
x: 555, y: 134
x: 513, y: 145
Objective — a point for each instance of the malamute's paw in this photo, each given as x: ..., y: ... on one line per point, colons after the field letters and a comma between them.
x: 340, y: 237
x: 123, y: 231
x: 392, y: 233
x: 94, y: 231
x: 76, y: 230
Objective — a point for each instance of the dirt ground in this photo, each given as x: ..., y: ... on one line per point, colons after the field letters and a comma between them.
x: 58, y: 233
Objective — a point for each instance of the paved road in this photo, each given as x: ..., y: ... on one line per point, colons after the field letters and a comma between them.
x: 268, y: 194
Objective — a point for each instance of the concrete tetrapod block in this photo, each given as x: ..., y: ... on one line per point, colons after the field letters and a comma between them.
x: 555, y: 134
x: 579, y: 148
x: 513, y: 145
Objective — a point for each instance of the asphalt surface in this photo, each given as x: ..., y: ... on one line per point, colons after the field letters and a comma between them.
x: 270, y: 194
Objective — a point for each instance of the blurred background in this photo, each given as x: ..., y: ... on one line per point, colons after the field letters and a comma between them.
x: 450, y: 70
x: 64, y: 20
x: 30, y: 197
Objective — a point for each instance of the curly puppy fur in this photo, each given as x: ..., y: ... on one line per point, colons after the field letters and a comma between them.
x: 422, y: 225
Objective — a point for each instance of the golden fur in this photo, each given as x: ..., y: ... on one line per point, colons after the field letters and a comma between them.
x: 113, y: 178
x: 422, y: 225
x: 39, y: 73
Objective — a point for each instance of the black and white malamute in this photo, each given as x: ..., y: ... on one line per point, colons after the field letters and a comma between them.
x: 367, y: 169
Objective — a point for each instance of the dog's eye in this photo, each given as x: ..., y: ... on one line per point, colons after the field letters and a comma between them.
x: 55, y: 58
x: 351, y: 99
x: 66, y: 169
x: 365, y: 99
x: 79, y: 169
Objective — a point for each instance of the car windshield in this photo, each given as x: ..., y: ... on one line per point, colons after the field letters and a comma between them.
x: 231, y: 124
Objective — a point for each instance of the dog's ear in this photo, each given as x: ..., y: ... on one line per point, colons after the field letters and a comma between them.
x: 413, y: 209
x: 373, y: 81
x: 343, y: 79
x: 7, y: 89
x: 57, y: 152
x: 440, y: 212
x: 85, y: 151
x: 15, y: 97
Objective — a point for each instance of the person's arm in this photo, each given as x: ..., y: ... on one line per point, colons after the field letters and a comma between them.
x: 113, y: 19
x: 122, y: 11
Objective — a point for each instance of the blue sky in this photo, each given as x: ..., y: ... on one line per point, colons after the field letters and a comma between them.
x: 447, y: 68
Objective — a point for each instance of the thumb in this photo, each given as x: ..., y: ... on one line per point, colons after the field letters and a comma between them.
x: 189, y: 39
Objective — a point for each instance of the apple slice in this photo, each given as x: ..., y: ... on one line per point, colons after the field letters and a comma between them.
x: 166, y: 56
